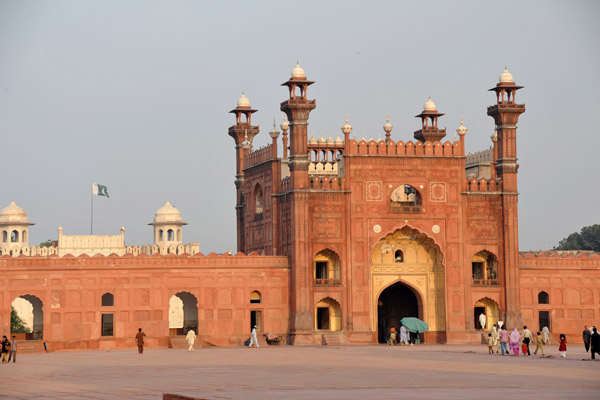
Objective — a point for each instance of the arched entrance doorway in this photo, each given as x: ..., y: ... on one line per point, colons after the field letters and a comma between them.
x: 413, y: 258
x: 30, y: 311
x: 487, y: 307
x: 328, y: 315
x: 183, y: 313
x: 396, y: 302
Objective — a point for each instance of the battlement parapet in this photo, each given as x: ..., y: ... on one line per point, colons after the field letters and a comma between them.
x: 146, y: 249
x: 477, y: 157
x: 286, y: 184
x: 400, y: 148
x: 258, y: 156
x: 484, y: 185
x: 144, y: 261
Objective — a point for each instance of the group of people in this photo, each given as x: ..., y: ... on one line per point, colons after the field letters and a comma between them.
x: 404, y: 338
x: 501, y: 341
x: 516, y: 342
x: 9, y: 349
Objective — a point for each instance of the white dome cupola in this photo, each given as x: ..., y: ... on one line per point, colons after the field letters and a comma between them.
x: 167, y: 225
x: 14, y: 226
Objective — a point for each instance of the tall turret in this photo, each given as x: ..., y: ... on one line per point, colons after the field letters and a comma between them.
x: 297, y: 109
x: 243, y: 133
x: 506, y: 114
x: 429, y: 123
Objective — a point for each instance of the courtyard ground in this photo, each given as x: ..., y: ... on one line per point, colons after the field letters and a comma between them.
x: 287, y: 372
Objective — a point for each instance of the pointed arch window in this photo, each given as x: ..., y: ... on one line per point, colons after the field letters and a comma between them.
x: 543, y: 298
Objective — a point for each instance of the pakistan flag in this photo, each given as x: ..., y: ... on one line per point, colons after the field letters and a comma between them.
x: 99, y: 190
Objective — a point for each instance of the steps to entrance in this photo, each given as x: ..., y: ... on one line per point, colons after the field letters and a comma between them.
x: 333, y: 339
x: 30, y: 346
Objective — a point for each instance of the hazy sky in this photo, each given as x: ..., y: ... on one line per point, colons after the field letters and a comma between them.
x: 135, y: 95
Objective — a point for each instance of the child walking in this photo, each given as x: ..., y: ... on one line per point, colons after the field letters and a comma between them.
x: 490, y: 344
x: 563, y: 346
x: 539, y: 344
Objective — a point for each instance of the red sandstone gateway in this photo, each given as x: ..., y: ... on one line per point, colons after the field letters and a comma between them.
x: 353, y: 236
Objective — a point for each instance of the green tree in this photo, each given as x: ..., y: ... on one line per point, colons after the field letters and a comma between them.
x: 587, y: 239
x: 17, y: 325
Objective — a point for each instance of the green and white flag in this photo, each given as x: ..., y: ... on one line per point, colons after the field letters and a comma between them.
x: 99, y: 190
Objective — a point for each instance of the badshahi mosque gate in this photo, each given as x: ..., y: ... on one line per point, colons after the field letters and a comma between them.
x: 337, y: 240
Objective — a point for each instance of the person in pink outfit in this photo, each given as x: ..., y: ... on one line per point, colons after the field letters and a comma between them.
x: 515, y: 341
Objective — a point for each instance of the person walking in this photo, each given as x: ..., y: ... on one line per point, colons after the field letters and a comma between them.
x: 482, y: 321
x: 191, y: 339
x: 563, y: 346
x: 539, y: 344
x: 253, y: 338
x: 546, y: 333
x: 504, y: 340
x: 515, y: 341
x: 403, y: 335
x: 586, y: 338
x: 139, y: 338
x: 5, y: 348
x: 13, y: 350
x: 494, y: 333
x: 595, y: 343
x: 527, y: 339
x: 490, y: 343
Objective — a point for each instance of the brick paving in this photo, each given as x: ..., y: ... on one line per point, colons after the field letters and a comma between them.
x: 286, y: 372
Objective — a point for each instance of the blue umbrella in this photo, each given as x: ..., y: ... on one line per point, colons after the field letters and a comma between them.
x: 414, y: 324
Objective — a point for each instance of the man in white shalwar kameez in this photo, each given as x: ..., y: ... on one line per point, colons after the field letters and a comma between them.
x: 191, y: 339
x: 253, y: 338
x: 482, y: 320
x: 403, y: 335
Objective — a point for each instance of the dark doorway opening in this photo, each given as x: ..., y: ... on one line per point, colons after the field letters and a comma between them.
x: 323, y: 318
x: 256, y: 320
x: 107, y: 324
x: 544, y: 319
x: 394, y: 303
x: 477, y: 311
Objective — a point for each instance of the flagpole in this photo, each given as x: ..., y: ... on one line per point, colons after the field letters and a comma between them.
x: 92, y: 213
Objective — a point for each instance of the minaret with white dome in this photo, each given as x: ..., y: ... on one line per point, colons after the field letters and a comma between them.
x: 167, y: 225
x: 297, y: 109
x: 429, y: 131
x: 243, y: 133
x: 14, y: 226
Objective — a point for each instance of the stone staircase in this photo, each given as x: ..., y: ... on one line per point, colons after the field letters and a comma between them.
x: 333, y: 339
x: 30, y: 346
x: 179, y: 342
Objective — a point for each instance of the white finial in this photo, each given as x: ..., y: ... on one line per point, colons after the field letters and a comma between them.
x: 274, y: 132
x: 285, y: 124
x: 387, y: 127
x: 246, y: 143
x: 346, y: 128
x: 462, y: 129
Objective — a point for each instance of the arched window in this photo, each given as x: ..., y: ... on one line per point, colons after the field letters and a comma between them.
x: 406, y: 199
x: 327, y: 268
x: 108, y: 300
x: 258, y: 199
x: 170, y: 236
x: 14, y: 236
x: 255, y: 297
x: 398, y: 256
x: 4, y: 236
x: 24, y: 236
x: 485, y: 269
x: 179, y: 235
x: 160, y: 235
x: 543, y: 298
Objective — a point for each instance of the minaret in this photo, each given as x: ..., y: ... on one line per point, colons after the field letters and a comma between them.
x: 506, y: 114
x: 242, y: 132
x: 429, y: 124
x: 388, y: 129
x: 297, y: 109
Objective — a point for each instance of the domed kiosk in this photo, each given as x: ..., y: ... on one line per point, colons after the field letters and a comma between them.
x: 14, y: 227
x: 167, y: 225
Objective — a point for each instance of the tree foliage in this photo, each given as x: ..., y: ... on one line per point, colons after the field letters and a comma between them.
x: 587, y: 239
x: 17, y: 325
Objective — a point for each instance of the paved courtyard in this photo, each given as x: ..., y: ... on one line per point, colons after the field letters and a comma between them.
x: 363, y: 372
